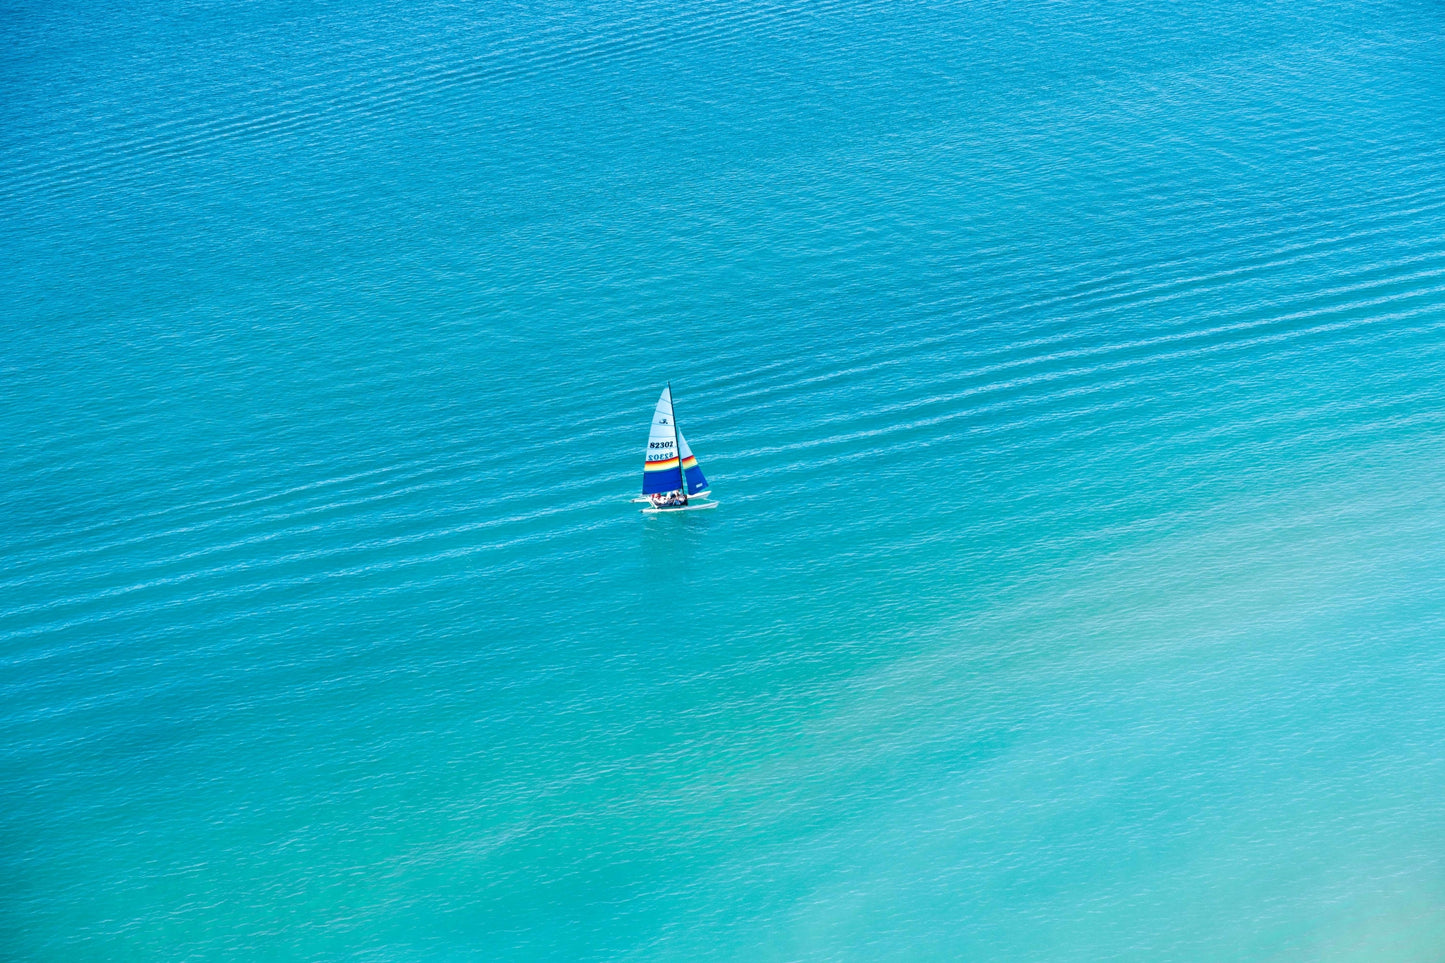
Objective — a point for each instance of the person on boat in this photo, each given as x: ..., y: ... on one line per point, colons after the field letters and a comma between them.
x: 658, y: 499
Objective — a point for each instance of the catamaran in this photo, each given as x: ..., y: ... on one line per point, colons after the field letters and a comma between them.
x: 671, y: 479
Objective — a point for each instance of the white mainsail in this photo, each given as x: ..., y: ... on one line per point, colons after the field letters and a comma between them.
x: 662, y: 469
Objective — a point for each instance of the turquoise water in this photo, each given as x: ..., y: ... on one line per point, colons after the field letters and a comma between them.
x: 1071, y: 377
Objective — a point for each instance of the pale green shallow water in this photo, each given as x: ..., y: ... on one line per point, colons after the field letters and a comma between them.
x: 1070, y: 376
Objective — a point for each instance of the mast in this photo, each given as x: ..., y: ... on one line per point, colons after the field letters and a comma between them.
x: 677, y: 445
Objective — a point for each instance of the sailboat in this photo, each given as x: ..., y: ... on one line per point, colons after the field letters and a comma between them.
x: 669, y: 469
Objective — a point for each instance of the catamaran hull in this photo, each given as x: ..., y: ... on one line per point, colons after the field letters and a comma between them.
x: 680, y: 508
x: 643, y: 498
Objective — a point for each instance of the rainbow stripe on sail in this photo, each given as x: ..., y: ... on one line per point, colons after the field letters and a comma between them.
x: 688, y: 464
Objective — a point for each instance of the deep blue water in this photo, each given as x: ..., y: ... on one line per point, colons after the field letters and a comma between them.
x: 1071, y: 377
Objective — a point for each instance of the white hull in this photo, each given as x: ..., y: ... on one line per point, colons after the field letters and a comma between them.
x: 642, y: 499
x: 680, y: 508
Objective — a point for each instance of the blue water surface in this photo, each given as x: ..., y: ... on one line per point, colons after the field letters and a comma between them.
x: 1071, y: 377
